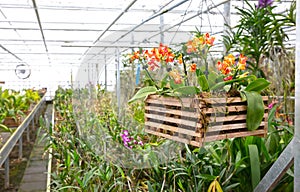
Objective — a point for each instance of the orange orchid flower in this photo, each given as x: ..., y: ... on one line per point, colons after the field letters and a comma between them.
x: 193, y: 67
x: 242, y: 62
x: 180, y: 60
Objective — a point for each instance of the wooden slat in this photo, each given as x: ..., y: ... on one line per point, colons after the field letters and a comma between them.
x: 230, y: 118
x: 214, y: 101
x: 230, y: 127
x: 169, y: 99
x: 171, y: 128
x: 175, y: 138
x: 173, y: 120
x: 172, y: 102
x: 236, y: 108
x: 227, y: 100
x: 234, y: 135
x: 179, y: 112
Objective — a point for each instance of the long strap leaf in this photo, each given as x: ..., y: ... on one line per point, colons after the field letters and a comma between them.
x: 255, y: 109
x: 255, y: 165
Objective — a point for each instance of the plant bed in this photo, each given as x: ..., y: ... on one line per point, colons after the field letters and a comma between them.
x: 198, y: 120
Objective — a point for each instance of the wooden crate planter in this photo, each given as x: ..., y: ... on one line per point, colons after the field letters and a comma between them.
x: 198, y: 120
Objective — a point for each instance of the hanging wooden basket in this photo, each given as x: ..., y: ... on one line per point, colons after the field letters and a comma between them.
x: 198, y: 120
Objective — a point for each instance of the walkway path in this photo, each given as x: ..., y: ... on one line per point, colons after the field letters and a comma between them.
x: 35, y: 176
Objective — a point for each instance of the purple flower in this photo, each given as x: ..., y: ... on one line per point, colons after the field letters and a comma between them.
x: 125, y: 132
x: 129, y: 141
x: 264, y: 3
x: 270, y: 106
x: 141, y: 143
x: 126, y: 139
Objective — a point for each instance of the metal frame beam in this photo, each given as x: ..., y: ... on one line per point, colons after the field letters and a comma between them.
x: 297, y: 104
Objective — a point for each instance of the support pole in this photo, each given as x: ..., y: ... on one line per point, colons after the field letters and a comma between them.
x: 118, y: 85
x: 28, y: 133
x: 20, y: 148
x: 6, y: 174
x: 297, y: 104
x: 227, y: 20
x: 161, y: 29
x: 32, y: 123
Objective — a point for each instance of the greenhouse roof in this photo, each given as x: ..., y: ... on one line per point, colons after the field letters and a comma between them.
x: 64, y: 34
x: 57, y: 32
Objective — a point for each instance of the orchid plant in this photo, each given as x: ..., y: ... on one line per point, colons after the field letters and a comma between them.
x: 259, y: 32
x: 171, y: 68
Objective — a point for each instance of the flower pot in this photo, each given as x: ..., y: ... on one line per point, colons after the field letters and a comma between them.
x: 11, y: 122
x: 198, y: 120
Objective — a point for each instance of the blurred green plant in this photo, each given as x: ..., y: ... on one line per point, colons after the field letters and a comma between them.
x: 16, y: 104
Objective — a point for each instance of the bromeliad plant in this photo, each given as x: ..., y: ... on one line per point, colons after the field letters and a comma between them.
x: 174, y: 82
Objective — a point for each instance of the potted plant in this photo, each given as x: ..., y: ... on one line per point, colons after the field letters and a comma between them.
x: 187, y: 106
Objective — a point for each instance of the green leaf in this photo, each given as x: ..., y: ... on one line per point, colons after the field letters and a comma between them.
x: 187, y: 90
x: 227, y: 88
x: 230, y: 187
x: 5, y: 128
x: 143, y: 93
x: 180, y: 185
x: 206, y: 177
x: 271, y: 116
x: 150, y: 188
x: 164, y: 81
x: 199, y: 72
x: 258, y: 85
x: 237, y: 159
x: 265, y: 152
x: 254, y: 164
x: 203, y: 83
x: 223, y: 83
x: 255, y: 109
x: 174, y: 85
